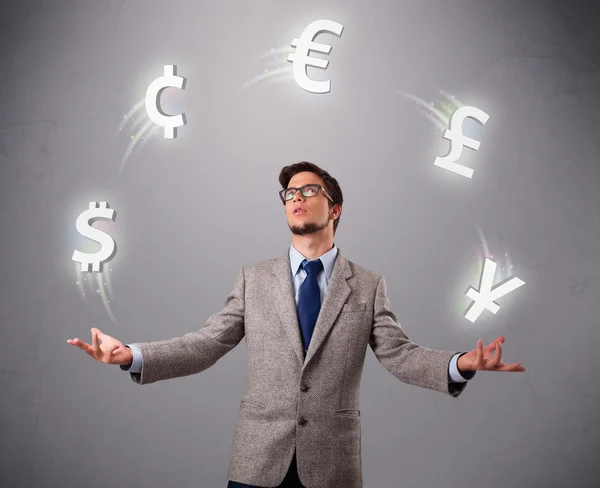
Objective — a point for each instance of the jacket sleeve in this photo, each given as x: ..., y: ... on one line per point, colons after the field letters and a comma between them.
x: 195, y: 351
x: 407, y: 361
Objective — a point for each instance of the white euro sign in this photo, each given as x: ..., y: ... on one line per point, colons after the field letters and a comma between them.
x: 301, y: 59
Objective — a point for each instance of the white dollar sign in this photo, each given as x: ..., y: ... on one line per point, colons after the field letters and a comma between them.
x: 458, y: 140
x: 107, y: 252
x: 169, y: 122
x: 301, y: 59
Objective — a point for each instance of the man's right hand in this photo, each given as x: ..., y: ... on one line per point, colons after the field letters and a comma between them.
x: 110, y: 351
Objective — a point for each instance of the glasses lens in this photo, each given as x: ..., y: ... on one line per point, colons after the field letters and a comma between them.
x: 310, y: 190
x: 307, y: 191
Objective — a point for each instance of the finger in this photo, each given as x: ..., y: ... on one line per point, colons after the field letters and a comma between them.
x: 114, y: 350
x: 479, y: 359
x: 95, y: 345
x: 98, y: 332
x: 496, y: 360
x: 502, y: 366
x: 81, y: 345
x: 488, y: 351
x: 511, y: 367
x: 486, y: 356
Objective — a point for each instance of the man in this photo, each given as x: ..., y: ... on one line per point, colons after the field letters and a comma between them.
x: 307, y: 317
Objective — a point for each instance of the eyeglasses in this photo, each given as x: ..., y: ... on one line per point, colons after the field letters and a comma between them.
x: 308, y: 191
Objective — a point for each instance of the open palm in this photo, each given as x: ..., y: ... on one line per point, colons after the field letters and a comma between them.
x: 104, y: 348
x: 482, y: 358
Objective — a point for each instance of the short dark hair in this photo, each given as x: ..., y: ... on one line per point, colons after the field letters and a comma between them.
x: 331, y: 185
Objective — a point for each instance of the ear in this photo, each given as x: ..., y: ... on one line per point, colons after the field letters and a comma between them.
x: 334, y: 208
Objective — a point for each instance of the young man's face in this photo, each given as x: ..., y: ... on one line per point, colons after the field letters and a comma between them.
x: 314, y: 214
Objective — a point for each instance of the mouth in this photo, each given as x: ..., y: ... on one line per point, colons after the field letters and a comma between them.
x: 298, y: 211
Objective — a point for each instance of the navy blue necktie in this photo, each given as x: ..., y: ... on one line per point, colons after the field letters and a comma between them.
x: 309, y: 302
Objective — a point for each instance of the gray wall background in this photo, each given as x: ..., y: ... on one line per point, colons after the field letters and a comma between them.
x: 193, y: 210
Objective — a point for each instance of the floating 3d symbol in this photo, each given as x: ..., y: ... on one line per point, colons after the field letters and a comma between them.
x: 169, y: 122
x: 94, y: 261
x: 301, y: 59
x: 485, y: 296
x: 458, y: 140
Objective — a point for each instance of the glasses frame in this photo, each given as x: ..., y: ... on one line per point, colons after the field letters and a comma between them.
x: 319, y: 188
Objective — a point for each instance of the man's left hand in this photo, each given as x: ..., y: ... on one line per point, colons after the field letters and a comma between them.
x: 481, y: 358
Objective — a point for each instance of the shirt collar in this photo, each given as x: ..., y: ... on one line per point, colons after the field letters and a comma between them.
x: 328, y: 260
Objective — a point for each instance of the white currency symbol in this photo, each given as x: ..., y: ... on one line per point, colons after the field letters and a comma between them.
x: 458, y: 140
x: 169, y: 122
x: 107, y: 251
x: 301, y: 59
x: 485, y: 296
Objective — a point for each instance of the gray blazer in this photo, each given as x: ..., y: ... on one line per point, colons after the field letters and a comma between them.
x: 291, y: 402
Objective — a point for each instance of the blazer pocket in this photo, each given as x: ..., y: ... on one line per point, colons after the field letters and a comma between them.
x: 354, y: 307
x: 348, y: 412
x: 252, y: 404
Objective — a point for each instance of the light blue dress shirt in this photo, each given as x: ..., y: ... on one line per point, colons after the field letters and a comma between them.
x: 298, y: 275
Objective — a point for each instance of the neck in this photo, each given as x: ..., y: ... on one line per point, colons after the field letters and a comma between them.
x: 311, y: 246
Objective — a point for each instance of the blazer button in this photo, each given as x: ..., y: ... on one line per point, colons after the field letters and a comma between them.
x: 302, y: 421
x: 303, y: 387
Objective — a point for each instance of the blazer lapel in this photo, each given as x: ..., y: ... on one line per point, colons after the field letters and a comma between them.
x: 336, y: 295
x: 286, y: 303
